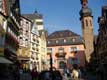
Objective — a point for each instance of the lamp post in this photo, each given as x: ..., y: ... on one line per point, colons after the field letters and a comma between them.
x: 49, y: 50
x: 50, y: 54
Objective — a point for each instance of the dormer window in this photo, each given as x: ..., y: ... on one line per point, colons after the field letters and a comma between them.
x: 64, y: 40
x: 56, y: 41
x: 73, y: 39
x: 73, y: 49
x: 48, y: 42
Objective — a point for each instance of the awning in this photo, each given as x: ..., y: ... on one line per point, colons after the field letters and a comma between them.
x: 5, y: 61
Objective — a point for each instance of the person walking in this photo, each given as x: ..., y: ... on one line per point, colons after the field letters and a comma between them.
x: 75, y: 73
x: 34, y: 74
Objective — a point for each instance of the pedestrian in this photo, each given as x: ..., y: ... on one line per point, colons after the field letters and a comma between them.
x: 34, y: 74
x: 75, y: 72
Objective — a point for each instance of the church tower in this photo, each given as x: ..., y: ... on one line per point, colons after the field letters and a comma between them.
x: 87, y: 28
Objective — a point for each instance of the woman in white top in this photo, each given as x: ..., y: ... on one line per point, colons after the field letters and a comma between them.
x: 75, y: 73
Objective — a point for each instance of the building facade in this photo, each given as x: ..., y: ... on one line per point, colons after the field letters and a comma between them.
x: 43, y: 48
x: 40, y: 43
x: 87, y: 28
x: 3, y: 28
x: 11, y: 25
x: 34, y: 50
x: 67, y: 49
x: 101, y: 46
x: 23, y: 53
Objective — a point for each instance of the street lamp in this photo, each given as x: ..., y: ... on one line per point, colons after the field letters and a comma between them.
x: 49, y: 51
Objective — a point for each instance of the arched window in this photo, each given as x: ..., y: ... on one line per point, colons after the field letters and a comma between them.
x: 90, y: 23
x: 83, y: 24
x: 86, y: 22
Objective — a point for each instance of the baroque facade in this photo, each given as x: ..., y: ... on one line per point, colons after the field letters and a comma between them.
x: 67, y: 49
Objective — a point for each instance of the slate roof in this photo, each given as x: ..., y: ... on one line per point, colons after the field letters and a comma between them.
x: 62, y: 34
x: 33, y: 16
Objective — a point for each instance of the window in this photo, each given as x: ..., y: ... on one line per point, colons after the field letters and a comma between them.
x: 20, y: 37
x: 86, y: 23
x: 33, y: 48
x: 73, y: 39
x: 64, y: 40
x: 48, y: 42
x: 33, y: 44
x: 90, y: 23
x: 39, y: 23
x: 61, y: 41
x: 73, y: 49
x: 62, y: 64
x: 56, y: 41
x: 61, y: 50
x: 49, y: 50
x: 26, y: 22
x: 82, y: 24
x: 26, y: 42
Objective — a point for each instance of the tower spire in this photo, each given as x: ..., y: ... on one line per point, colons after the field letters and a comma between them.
x: 87, y: 28
x: 85, y: 10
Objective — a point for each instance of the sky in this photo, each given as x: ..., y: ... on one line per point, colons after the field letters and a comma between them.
x: 62, y: 14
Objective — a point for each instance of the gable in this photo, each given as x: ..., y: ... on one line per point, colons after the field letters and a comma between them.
x: 34, y: 29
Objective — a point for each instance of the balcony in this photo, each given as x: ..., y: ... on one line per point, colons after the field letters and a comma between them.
x: 23, y: 58
x: 60, y: 54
